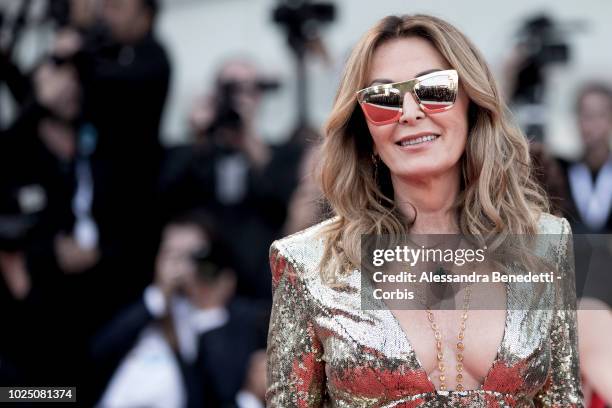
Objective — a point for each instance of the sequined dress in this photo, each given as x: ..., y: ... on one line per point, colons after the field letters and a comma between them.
x: 325, y: 351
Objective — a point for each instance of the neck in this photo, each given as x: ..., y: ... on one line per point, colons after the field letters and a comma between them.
x: 596, y: 157
x: 433, y: 200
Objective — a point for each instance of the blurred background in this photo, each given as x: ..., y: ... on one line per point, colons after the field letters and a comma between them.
x: 151, y: 151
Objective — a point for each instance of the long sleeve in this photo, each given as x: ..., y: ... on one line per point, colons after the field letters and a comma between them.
x: 118, y: 337
x: 563, y: 388
x: 296, y: 371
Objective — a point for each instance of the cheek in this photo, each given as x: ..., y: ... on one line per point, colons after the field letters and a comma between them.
x: 380, y: 134
x: 456, y: 123
x: 460, y: 137
x: 461, y: 131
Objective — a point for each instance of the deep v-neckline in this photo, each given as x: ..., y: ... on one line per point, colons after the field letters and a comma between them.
x: 412, y: 352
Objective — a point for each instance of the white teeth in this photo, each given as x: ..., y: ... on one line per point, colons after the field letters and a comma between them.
x: 418, y: 140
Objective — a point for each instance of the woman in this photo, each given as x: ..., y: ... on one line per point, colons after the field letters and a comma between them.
x: 442, y: 159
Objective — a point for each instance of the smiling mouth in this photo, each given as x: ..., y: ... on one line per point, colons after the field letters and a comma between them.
x: 418, y: 140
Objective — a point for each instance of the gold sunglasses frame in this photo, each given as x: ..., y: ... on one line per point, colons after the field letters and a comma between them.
x: 410, y: 86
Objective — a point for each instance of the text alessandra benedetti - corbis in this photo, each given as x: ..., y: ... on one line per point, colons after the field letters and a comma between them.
x: 473, y: 277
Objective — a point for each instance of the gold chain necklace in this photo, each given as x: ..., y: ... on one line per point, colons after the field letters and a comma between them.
x: 460, y: 344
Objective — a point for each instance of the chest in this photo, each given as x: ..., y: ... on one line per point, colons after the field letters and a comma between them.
x: 470, y: 352
x: 394, y: 351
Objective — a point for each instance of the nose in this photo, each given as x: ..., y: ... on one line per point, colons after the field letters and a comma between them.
x: 411, y: 111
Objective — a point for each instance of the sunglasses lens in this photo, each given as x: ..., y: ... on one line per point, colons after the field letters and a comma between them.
x: 382, y: 105
x: 437, y: 93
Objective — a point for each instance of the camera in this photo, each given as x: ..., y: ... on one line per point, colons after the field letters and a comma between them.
x: 298, y: 17
x: 211, y: 260
x: 227, y: 113
x: 545, y: 41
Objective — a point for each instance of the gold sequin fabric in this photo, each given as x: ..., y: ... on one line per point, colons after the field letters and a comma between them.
x: 324, y: 350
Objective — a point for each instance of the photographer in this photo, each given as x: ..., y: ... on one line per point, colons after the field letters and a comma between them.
x: 37, y: 185
x: 542, y: 43
x: 125, y: 74
x: 67, y: 176
x: 187, y: 342
x: 234, y: 174
x: 587, y: 183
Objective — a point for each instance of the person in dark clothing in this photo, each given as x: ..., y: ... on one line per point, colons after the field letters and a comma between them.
x: 103, y: 165
x: 125, y: 73
x: 587, y: 199
x: 37, y: 186
x: 234, y: 174
x: 187, y: 341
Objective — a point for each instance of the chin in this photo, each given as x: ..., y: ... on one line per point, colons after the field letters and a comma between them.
x: 421, y: 171
x: 415, y: 174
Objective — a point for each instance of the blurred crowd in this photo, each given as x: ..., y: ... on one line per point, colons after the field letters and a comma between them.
x: 126, y: 264
x: 139, y: 272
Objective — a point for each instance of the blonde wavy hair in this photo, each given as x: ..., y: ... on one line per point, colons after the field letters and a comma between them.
x: 498, y: 194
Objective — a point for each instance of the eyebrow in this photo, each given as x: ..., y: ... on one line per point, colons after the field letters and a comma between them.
x: 388, y: 81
